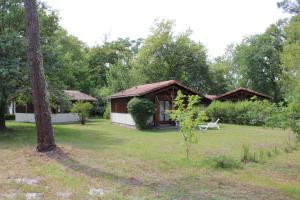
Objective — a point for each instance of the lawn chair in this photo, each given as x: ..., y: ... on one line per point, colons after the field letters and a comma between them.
x: 213, y: 125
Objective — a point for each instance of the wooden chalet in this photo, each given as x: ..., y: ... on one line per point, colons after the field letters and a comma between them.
x: 25, y: 113
x: 240, y: 94
x: 73, y: 96
x: 161, y: 94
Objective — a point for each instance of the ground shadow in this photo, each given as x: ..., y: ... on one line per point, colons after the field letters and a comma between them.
x: 60, y: 156
x: 206, y: 186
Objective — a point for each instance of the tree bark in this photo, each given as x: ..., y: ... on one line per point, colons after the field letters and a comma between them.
x: 45, y: 137
x: 3, y: 105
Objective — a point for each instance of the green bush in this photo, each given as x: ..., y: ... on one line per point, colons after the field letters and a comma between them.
x: 249, y: 156
x: 243, y: 112
x: 224, y: 162
x: 10, y: 117
x: 107, y: 111
x: 82, y: 109
x: 141, y: 110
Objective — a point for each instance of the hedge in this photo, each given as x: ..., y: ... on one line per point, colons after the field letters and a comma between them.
x: 243, y: 112
x: 10, y: 117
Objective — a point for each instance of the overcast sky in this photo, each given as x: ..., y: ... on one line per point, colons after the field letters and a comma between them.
x: 216, y: 23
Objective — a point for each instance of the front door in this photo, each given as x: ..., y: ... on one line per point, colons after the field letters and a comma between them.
x: 163, y: 115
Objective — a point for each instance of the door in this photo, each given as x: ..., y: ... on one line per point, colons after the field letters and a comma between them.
x: 163, y: 115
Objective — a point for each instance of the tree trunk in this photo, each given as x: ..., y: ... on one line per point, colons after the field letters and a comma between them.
x: 45, y: 138
x: 3, y: 104
x: 2, y: 121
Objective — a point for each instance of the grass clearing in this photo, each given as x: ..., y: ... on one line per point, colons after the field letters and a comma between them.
x: 132, y: 164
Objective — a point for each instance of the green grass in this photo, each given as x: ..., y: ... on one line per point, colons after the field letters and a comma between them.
x: 131, y: 164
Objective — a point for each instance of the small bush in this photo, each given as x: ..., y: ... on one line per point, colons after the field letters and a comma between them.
x: 269, y: 154
x: 249, y: 156
x: 246, y: 154
x: 82, y: 109
x: 107, y: 111
x: 288, y: 150
x: 225, y: 162
x: 141, y: 110
x: 9, y: 117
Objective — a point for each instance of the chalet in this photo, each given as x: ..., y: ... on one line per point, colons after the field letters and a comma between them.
x: 24, y: 113
x: 240, y: 94
x: 161, y: 94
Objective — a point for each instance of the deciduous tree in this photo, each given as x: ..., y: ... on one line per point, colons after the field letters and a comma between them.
x: 165, y: 56
x: 187, y: 117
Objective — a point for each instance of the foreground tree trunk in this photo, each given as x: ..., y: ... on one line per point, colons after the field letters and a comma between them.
x: 2, y: 117
x: 3, y: 104
x: 45, y: 138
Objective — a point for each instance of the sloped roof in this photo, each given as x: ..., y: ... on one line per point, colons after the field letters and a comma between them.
x: 245, y: 90
x: 210, y: 96
x: 148, y: 88
x: 76, y: 95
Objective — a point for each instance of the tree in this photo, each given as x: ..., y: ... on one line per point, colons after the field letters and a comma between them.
x: 294, y: 110
x: 102, y: 58
x: 66, y: 63
x: 188, y: 118
x: 119, y: 77
x: 258, y: 61
x: 290, y: 56
x: 290, y: 6
x: 82, y: 109
x: 165, y: 56
x: 12, y: 66
x: 45, y: 137
x: 219, y: 71
x: 224, y: 73
x: 14, y: 73
x: 12, y: 54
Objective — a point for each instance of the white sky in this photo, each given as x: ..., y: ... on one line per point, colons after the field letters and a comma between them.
x: 216, y: 23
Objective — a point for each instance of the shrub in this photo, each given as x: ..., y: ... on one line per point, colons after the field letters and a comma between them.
x: 288, y: 149
x: 246, y: 154
x: 9, y: 117
x: 249, y: 156
x: 243, y: 112
x: 225, y: 162
x: 82, y: 109
x: 107, y: 111
x: 141, y: 110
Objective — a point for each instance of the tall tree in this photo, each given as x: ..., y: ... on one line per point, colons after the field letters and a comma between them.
x: 45, y: 137
x: 165, y: 55
x: 12, y: 53
x: 258, y: 61
x: 102, y: 57
x: 291, y: 49
x: 13, y: 72
x: 290, y: 6
x: 12, y: 66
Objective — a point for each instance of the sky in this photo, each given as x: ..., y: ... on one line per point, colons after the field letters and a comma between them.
x: 215, y: 23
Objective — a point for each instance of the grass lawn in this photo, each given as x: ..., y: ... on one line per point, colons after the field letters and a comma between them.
x: 128, y: 164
